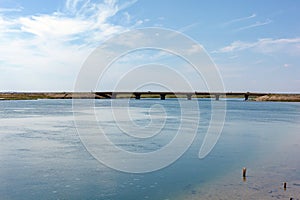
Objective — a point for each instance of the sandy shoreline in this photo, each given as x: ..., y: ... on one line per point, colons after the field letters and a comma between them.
x: 266, y: 186
x: 284, y: 98
x: 44, y: 95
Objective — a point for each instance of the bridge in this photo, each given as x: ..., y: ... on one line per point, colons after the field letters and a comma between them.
x: 188, y: 95
x: 148, y: 94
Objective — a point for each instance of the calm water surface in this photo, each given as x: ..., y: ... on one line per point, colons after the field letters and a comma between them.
x: 42, y: 157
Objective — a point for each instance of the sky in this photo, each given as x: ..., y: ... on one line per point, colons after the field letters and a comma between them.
x: 254, y: 44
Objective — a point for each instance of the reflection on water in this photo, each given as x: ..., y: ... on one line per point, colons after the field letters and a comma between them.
x: 41, y: 156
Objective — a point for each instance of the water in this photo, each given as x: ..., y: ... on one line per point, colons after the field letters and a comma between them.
x: 42, y: 157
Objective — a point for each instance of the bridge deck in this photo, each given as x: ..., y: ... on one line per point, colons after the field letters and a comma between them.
x: 189, y: 95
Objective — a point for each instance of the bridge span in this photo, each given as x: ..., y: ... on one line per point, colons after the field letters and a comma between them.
x: 188, y: 95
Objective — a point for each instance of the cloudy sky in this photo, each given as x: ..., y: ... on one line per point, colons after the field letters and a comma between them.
x: 255, y: 44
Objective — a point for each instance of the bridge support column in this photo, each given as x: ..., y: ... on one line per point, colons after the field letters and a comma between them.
x: 137, y: 96
x: 162, y: 96
x: 217, y: 97
x: 246, y: 96
x: 113, y: 96
x: 189, y: 96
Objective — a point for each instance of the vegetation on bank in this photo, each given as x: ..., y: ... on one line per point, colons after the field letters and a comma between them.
x: 280, y: 97
x: 35, y: 96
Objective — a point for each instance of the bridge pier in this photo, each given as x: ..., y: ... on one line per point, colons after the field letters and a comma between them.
x: 137, y: 96
x: 113, y: 96
x: 162, y: 96
x: 247, y: 96
x: 217, y: 97
x: 189, y: 96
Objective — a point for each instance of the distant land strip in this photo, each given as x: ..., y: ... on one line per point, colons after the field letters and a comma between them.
x: 286, y: 97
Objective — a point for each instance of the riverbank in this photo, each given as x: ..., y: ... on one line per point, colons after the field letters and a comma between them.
x: 43, y: 95
x: 279, y: 97
x: 108, y: 95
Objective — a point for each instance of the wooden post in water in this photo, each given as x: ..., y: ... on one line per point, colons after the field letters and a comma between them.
x: 284, y: 185
x: 244, y: 179
x: 244, y: 172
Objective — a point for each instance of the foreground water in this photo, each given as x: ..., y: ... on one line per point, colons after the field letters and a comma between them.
x: 42, y: 157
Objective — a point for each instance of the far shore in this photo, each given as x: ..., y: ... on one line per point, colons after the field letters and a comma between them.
x: 279, y: 97
x: 91, y: 95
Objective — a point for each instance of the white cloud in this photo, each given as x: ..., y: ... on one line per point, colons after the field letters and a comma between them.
x: 256, y: 24
x: 188, y: 27
x: 247, y: 18
x: 240, y: 19
x: 265, y: 45
x: 195, y: 49
x: 19, y: 9
x: 52, y: 47
x: 53, y: 26
x: 236, y: 46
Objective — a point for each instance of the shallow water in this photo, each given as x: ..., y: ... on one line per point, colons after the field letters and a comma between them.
x: 42, y: 157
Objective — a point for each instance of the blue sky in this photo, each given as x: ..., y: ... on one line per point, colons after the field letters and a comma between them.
x: 255, y: 44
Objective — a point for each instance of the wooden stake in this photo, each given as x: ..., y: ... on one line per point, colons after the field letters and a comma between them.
x: 244, y: 172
